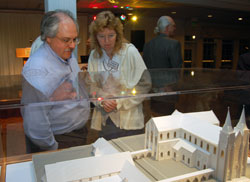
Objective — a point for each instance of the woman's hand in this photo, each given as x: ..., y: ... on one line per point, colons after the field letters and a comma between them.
x: 109, y: 105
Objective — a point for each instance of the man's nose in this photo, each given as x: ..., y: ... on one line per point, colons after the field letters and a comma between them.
x: 72, y: 45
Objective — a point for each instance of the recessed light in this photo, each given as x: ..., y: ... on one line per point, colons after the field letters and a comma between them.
x: 173, y: 12
x: 209, y: 16
x: 240, y: 19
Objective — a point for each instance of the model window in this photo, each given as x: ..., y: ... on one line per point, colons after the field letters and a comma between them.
x: 214, y: 150
x: 174, y: 134
x: 184, y: 135
x: 188, y: 160
x: 222, y: 153
x: 203, y: 178
x: 201, y: 144
x: 151, y: 136
x: 208, y: 147
x: 204, y: 167
x: 195, y: 141
x: 198, y: 163
x: 195, y: 180
x: 168, y: 135
x: 190, y: 137
x: 174, y: 155
x: 161, y: 136
x: 168, y: 153
x: 183, y: 157
x: 161, y: 154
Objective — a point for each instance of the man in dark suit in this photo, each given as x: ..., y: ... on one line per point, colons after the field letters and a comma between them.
x: 244, y: 62
x: 163, y: 51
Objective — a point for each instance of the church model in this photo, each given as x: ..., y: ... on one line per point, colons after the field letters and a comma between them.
x: 195, y: 139
x: 219, y: 153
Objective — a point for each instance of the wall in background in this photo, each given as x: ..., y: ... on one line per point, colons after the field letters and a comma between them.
x: 18, y: 30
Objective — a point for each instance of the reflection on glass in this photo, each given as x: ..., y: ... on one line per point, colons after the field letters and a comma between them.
x: 46, y: 118
x: 158, y: 93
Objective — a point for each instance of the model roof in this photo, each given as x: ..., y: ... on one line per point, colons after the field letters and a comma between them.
x: 200, y: 124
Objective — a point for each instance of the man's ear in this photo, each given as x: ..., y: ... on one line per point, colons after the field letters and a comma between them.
x: 166, y: 29
x: 48, y: 40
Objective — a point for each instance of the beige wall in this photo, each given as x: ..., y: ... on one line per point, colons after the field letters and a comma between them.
x: 18, y: 30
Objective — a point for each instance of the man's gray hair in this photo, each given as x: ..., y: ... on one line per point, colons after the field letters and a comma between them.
x: 162, y: 23
x: 50, y: 22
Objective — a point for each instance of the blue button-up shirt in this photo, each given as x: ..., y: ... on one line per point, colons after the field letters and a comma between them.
x: 43, y: 73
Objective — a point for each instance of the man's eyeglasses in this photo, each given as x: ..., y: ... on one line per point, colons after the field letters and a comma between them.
x: 69, y: 40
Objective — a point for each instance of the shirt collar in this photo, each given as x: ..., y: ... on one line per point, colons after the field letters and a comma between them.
x: 106, y: 57
x: 55, y: 54
x: 163, y: 35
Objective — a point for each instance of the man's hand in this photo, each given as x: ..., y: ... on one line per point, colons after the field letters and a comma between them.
x: 64, y: 92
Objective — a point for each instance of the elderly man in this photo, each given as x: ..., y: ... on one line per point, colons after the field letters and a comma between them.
x: 51, y: 74
x: 163, y: 51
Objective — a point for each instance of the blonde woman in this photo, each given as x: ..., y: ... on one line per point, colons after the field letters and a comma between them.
x: 120, y: 69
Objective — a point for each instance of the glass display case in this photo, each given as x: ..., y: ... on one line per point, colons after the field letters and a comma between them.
x: 87, y: 101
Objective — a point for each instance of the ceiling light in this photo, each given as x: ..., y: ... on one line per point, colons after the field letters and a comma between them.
x: 134, y: 18
x: 240, y: 19
x: 209, y: 16
x: 173, y: 12
x: 123, y: 17
x: 113, y: 1
x: 192, y: 73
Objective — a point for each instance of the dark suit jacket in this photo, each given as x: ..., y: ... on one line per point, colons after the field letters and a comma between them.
x: 244, y: 62
x: 162, y: 52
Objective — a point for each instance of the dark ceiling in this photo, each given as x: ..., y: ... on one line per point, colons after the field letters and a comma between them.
x: 223, y: 11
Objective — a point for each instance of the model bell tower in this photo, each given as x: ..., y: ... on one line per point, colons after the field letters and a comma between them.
x: 225, y: 151
x: 233, y: 149
x: 241, y: 147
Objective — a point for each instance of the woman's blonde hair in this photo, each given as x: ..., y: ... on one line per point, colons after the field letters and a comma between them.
x: 105, y: 19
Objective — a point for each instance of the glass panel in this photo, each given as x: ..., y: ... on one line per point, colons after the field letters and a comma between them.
x: 156, y: 93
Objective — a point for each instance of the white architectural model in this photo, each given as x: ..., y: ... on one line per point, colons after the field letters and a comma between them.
x: 116, y: 167
x: 186, y: 138
x: 192, y: 138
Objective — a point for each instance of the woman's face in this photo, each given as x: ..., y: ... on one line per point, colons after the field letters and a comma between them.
x: 107, y: 39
